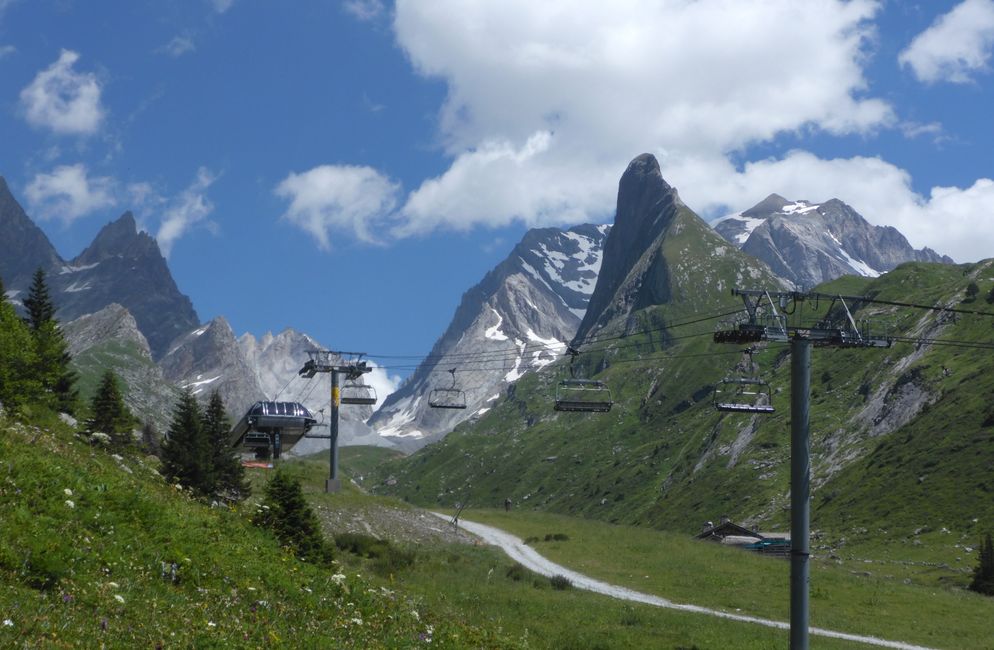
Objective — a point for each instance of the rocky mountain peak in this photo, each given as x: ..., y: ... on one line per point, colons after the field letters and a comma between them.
x: 18, y: 233
x: 113, y: 322
x: 770, y: 205
x: 120, y: 238
x: 646, y: 206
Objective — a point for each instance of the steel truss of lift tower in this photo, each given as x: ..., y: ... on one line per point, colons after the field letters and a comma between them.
x: 766, y: 319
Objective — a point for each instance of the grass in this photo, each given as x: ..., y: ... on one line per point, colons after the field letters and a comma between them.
x: 855, y: 597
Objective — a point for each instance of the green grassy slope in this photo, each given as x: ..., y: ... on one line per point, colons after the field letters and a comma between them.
x: 901, y: 437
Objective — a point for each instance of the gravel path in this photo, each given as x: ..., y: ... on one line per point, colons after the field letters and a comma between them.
x: 520, y: 552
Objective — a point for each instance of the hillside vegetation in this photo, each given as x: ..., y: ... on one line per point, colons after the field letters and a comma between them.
x: 902, y: 438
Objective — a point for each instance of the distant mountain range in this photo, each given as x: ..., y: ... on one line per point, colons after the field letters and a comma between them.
x: 119, y: 295
x: 810, y: 243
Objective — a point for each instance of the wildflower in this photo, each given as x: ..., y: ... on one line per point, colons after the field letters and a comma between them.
x: 414, y: 613
x: 119, y: 598
x: 70, y: 504
x: 211, y: 624
x: 338, y: 578
x: 68, y: 492
x: 8, y: 623
x: 113, y: 585
x: 357, y: 621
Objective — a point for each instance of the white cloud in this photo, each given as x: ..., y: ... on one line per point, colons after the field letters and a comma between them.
x: 364, y: 10
x: 339, y: 197
x: 221, y: 6
x: 178, y: 46
x: 68, y: 192
x: 63, y: 100
x: 955, y: 46
x: 602, y: 82
x: 6, y: 50
x: 958, y: 222
x: 190, y: 208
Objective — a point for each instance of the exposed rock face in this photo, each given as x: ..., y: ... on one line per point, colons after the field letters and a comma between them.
x: 516, y: 319
x: 25, y: 246
x: 208, y: 359
x: 125, y: 266
x: 110, y: 339
x: 809, y: 243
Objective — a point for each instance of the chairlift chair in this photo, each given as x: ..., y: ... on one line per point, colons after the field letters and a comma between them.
x: 746, y: 394
x: 354, y: 391
x: 581, y: 395
x: 271, y: 427
x: 447, y: 398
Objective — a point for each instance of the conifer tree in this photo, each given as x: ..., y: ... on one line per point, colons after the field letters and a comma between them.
x: 185, y: 452
x: 52, y: 362
x: 285, y: 511
x: 229, y: 475
x: 109, y: 414
x: 18, y: 384
x: 39, y: 303
x: 983, y: 574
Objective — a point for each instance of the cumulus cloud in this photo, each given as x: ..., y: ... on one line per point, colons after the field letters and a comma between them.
x: 956, y: 46
x: 958, y: 222
x: 68, y: 192
x: 190, y: 208
x: 358, y: 199
x: 601, y: 82
x: 63, y: 100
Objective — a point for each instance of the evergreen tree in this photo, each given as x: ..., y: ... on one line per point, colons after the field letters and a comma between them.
x: 285, y: 511
x: 229, y: 475
x: 52, y: 359
x: 38, y: 303
x: 983, y: 574
x: 18, y: 384
x: 109, y: 413
x: 185, y: 452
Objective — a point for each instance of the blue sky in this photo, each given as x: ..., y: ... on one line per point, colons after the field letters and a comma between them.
x: 368, y: 162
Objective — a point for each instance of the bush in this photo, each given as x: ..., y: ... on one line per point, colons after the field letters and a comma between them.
x: 556, y: 537
x: 386, y: 557
x: 560, y: 582
x: 285, y: 511
x: 517, y: 572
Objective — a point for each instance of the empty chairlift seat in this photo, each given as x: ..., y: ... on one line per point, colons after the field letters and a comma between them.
x: 743, y: 395
x: 356, y: 392
x: 583, y: 395
x: 450, y: 397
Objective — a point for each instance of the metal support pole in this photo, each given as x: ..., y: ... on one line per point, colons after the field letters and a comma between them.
x: 333, y: 484
x: 800, y: 489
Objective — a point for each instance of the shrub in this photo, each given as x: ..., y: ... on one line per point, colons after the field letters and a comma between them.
x: 517, y: 572
x: 386, y: 557
x: 556, y: 537
x: 560, y: 582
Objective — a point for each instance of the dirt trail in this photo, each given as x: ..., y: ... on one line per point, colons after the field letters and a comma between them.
x: 520, y: 552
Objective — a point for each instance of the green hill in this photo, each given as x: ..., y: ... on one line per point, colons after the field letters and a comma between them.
x: 902, y: 438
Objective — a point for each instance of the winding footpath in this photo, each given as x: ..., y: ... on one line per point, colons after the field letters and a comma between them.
x: 520, y: 552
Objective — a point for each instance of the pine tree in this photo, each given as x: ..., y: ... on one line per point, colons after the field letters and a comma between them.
x: 185, y: 452
x: 38, y: 303
x: 109, y: 413
x: 983, y: 574
x: 18, y: 384
x: 52, y: 362
x: 285, y: 511
x: 229, y: 475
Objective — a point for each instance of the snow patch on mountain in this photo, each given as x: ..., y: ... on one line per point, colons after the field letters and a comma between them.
x: 494, y: 333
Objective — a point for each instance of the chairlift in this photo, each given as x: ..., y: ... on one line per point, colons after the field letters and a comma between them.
x: 581, y: 395
x: 355, y: 391
x: 447, y: 398
x: 745, y: 394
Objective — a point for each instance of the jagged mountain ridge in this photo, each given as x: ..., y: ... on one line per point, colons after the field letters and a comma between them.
x: 810, y: 243
x: 122, y: 265
x: 516, y: 319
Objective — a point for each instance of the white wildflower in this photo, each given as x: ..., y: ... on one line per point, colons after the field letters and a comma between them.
x: 211, y: 624
x: 113, y: 585
x: 338, y: 578
x: 8, y: 623
x: 67, y: 492
x: 414, y: 613
x: 119, y: 598
x: 70, y: 504
x: 357, y: 621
